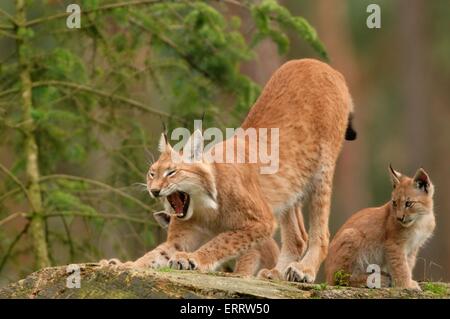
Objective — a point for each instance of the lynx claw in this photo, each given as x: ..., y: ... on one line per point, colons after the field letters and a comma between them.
x: 183, y: 261
x: 293, y: 273
x: 270, y: 274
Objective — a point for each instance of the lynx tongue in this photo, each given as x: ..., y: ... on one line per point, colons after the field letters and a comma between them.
x: 176, y: 202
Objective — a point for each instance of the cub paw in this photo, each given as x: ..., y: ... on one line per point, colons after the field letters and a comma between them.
x: 270, y: 274
x: 298, y: 273
x: 184, y: 261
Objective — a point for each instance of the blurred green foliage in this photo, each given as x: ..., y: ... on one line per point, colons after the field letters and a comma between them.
x: 99, y: 90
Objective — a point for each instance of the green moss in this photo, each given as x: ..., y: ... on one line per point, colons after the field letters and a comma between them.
x: 341, y: 278
x: 165, y: 269
x: 435, y: 288
x: 320, y: 287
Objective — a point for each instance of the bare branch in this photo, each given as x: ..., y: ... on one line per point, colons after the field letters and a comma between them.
x: 8, y: 16
x: 10, y: 193
x: 6, y: 27
x: 11, y: 246
x: 101, y: 8
x: 11, y: 217
x: 18, y: 182
x: 8, y: 34
x: 9, y: 91
x: 104, y: 216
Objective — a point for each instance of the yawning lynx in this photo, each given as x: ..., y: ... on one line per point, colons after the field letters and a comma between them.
x: 389, y: 236
x: 224, y: 209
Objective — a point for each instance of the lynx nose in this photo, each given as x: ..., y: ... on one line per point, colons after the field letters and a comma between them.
x: 401, y: 219
x: 155, y: 192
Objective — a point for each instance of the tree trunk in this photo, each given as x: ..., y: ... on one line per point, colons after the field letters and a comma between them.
x: 334, y: 30
x: 106, y: 282
x: 414, y: 80
x: 31, y: 149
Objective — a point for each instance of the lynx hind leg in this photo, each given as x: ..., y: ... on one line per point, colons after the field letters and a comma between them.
x: 342, y: 256
x: 248, y: 263
x: 269, y: 253
x: 306, y: 269
x: 264, y: 255
x: 293, y: 242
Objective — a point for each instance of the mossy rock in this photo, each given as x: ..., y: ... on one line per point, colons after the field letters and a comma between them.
x: 107, y: 282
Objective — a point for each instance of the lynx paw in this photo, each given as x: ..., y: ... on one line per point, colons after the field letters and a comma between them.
x: 154, y: 259
x: 296, y: 272
x: 115, y: 263
x: 270, y: 274
x: 184, y: 261
x: 414, y: 285
x: 108, y: 262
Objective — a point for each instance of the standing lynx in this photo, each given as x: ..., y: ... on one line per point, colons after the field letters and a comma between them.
x: 389, y: 236
x: 233, y: 206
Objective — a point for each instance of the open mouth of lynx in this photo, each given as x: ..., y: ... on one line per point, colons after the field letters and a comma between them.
x: 179, y: 202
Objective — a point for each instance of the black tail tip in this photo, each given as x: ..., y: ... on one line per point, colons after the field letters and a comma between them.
x: 350, y: 133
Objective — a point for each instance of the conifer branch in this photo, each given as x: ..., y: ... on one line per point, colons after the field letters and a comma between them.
x: 98, y: 92
x: 97, y: 183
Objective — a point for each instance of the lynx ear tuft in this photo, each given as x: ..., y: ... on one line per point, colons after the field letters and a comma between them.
x: 395, y: 176
x: 422, y: 180
x: 163, y: 143
x: 163, y: 218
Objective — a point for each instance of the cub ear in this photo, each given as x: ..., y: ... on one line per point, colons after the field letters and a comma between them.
x: 163, y: 218
x: 194, y: 147
x: 164, y: 143
x: 422, y: 180
x: 395, y: 176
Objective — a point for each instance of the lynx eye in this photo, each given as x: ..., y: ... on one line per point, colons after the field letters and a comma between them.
x: 150, y: 174
x: 171, y: 173
x: 394, y: 203
x: 409, y: 204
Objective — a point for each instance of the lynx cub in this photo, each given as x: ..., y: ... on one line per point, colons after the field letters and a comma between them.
x: 389, y: 236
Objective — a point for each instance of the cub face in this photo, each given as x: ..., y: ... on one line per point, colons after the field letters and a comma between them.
x: 179, y: 183
x: 412, y: 198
